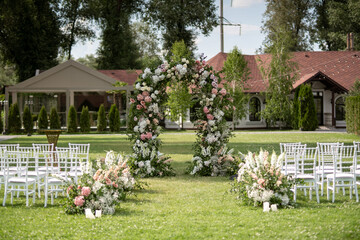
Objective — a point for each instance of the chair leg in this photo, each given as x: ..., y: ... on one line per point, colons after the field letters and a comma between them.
x: 327, y: 190
x: 5, y: 195
x: 34, y: 194
x: 322, y: 186
x: 27, y: 195
x: 317, y: 193
x: 333, y: 195
x: 350, y: 192
x: 295, y: 191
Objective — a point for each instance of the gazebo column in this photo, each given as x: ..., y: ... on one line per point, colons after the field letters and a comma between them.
x: 14, y: 97
x: 69, y: 102
x: 333, y: 109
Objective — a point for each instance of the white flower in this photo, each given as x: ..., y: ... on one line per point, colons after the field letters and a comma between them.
x: 155, y: 79
x: 137, y: 86
x: 141, y: 164
x: 136, y: 128
x: 211, y: 122
x: 158, y: 71
x: 184, y: 60
x: 207, y: 163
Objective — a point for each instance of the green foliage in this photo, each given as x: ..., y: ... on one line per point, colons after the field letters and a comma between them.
x: 54, y: 119
x: 180, y: 20
x: 1, y: 122
x: 355, y: 90
x: 352, y: 109
x: 334, y: 19
x: 72, y: 120
x: 14, y: 119
x: 307, y: 113
x: 101, y: 119
x: 118, y: 49
x: 85, y: 120
x: 28, y: 121
x: 281, y: 75
x: 114, y: 119
x: 294, y: 16
x: 43, y: 122
x: 75, y: 17
x: 236, y: 73
x: 89, y: 60
x: 295, y: 109
x: 179, y: 51
x: 30, y: 35
x: 7, y: 73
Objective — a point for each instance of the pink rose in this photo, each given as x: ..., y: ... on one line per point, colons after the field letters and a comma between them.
x: 149, y: 135
x: 210, y: 117
x: 79, y: 201
x: 108, y: 181
x: 223, y: 91
x: 214, y: 91
x: 142, y: 103
x: 156, y: 122
x: 132, y: 100
x: 138, y: 107
x: 85, y: 191
x: 140, y: 97
x: 145, y: 93
x: 143, y: 136
x: 148, y: 99
x: 231, y: 100
x: 115, y: 185
x: 261, y: 181
x: 206, y: 110
x: 79, y: 187
x: 69, y: 189
x: 226, y: 107
x: 254, y: 176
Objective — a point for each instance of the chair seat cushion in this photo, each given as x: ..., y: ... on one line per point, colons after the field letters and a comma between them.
x: 305, y: 176
x: 34, y: 174
x: 55, y: 181
x: 21, y: 180
x: 341, y: 175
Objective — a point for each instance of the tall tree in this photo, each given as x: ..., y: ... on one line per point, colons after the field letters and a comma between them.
x: 89, y: 60
x: 293, y: 16
x: 29, y: 35
x: 7, y: 73
x: 336, y: 18
x: 118, y: 49
x: 280, y: 74
x: 179, y: 20
x: 75, y: 17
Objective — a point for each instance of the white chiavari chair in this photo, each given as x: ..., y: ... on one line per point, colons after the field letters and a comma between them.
x: 345, y: 159
x: 289, y: 160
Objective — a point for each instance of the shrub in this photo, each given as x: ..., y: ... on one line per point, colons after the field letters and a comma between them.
x: 307, y: 112
x: 54, y: 119
x: 43, y: 122
x: 72, y: 120
x: 1, y: 123
x: 101, y: 119
x: 114, y: 119
x: 85, y: 120
x: 28, y: 121
x: 14, y: 119
x: 352, y: 111
x: 295, y: 109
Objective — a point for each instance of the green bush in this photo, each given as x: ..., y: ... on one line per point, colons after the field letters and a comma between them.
x: 54, y: 119
x: 28, y: 121
x: 295, y: 109
x: 85, y: 120
x: 101, y: 119
x: 14, y: 119
x: 72, y: 120
x: 114, y: 119
x: 43, y: 122
x: 307, y: 113
x: 352, y: 114
x: 1, y: 123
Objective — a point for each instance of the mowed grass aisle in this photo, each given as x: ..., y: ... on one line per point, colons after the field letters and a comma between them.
x: 186, y: 207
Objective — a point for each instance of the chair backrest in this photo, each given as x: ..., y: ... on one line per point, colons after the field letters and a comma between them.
x: 63, y: 160
x: 282, y: 145
x: 32, y: 155
x: 10, y: 147
x: 82, y: 149
x: 346, y: 159
x: 306, y: 161
x: 326, y: 153
x: 50, y: 163
x: 290, y: 151
x: 43, y: 147
x: 17, y: 162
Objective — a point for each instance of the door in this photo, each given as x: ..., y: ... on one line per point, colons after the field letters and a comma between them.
x: 318, y: 100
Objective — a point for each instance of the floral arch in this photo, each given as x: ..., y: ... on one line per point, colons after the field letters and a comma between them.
x: 211, y: 156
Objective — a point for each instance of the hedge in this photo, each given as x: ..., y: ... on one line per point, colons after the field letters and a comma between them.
x: 352, y: 114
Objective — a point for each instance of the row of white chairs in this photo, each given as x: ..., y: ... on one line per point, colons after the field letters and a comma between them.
x: 30, y: 169
x: 335, y: 164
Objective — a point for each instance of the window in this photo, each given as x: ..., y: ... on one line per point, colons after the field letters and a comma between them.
x: 254, y: 109
x: 340, y: 109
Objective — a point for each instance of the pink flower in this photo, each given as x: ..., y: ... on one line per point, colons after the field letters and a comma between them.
x: 138, y: 107
x: 143, y: 136
x: 231, y: 100
x: 85, y: 191
x: 223, y: 91
x: 140, y: 97
x: 79, y: 201
x: 278, y: 183
x: 149, y: 135
x: 210, y: 117
x: 145, y: 93
x: 142, y: 103
x: 135, y: 119
x: 108, y: 181
x: 214, y: 91
x: 261, y: 181
x: 148, y: 99
x: 226, y: 107
x: 234, y: 108
x: 115, y: 185
x: 156, y: 122
x: 79, y: 187
x: 206, y: 110
x: 132, y: 100
x: 253, y: 175
x: 69, y: 189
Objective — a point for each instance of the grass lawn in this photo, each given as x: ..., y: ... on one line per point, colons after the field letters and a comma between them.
x: 186, y: 207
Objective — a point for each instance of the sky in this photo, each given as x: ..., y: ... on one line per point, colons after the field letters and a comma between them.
x: 248, y: 13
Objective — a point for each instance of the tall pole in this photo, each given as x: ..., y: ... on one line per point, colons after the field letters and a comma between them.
x: 221, y: 26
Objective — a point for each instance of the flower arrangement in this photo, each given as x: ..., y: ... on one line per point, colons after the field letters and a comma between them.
x: 260, y: 180
x: 211, y: 157
x: 102, y: 187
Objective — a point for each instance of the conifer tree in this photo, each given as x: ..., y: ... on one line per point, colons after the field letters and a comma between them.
x: 54, y: 119
x: 101, y: 119
x: 28, y: 121
x: 43, y: 122
x: 14, y: 119
x: 114, y: 119
x: 72, y: 120
x: 85, y: 120
x: 307, y: 116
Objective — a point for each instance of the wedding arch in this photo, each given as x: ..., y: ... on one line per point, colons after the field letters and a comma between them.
x: 211, y: 154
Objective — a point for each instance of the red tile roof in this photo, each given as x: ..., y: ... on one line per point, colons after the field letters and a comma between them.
x: 342, y: 67
x: 128, y: 76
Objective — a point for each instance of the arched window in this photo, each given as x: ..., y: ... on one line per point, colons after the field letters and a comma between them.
x: 340, y: 109
x: 254, y: 109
